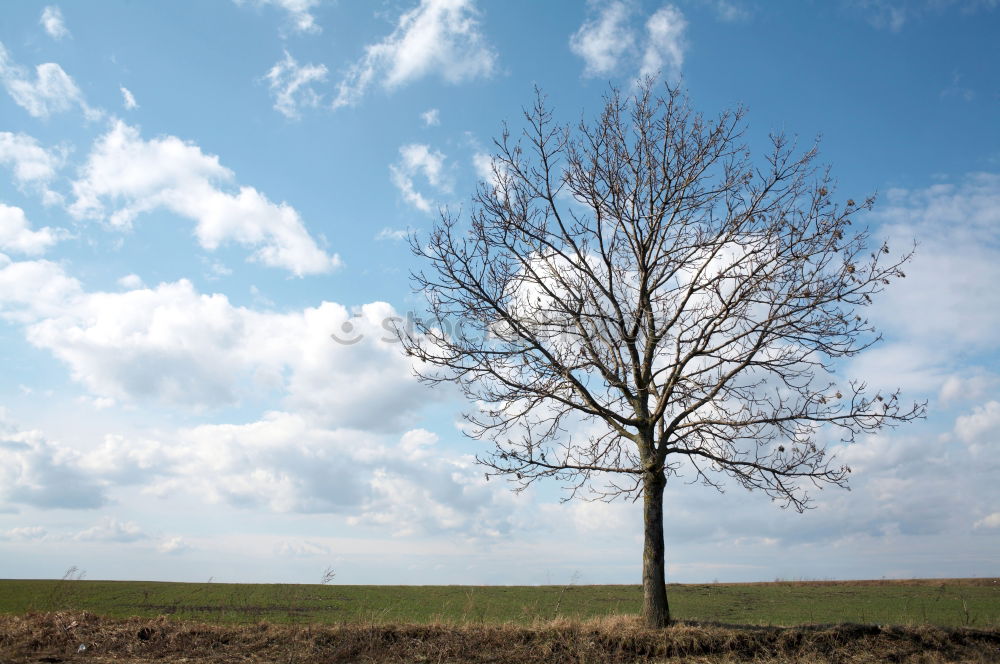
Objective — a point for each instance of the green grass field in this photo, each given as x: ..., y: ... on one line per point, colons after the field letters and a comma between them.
x: 946, y: 602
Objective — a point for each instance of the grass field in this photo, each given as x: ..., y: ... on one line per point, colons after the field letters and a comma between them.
x: 942, y: 602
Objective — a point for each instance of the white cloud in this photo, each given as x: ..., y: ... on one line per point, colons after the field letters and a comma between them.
x: 173, y: 545
x: 126, y: 176
x: 32, y: 163
x: 128, y: 99
x: 893, y: 15
x: 431, y: 117
x: 34, y: 167
x: 665, y: 43
x: 989, y: 521
x: 100, y: 403
x: 957, y: 228
x: 482, y: 163
x: 173, y: 345
x: 112, y: 530
x: 216, y: 269
x: 291, y: 85
x: 281, y: 464
x: 971, y: 386
x: 728, y: 10
x: 888, y: 16
x: 36, y: 472
x: 131, y: 282
x: 486, y: 169
x: 980, y: 429
x: 395, y: 234
x: 16, y: 234
x: 440, y: 37
x: 24, y: 533
x: 52, y: 21
x: 181, y: 346
x: 51, y: 91
x: 299, y: 12
x: 604, y: 40
x: 419, y: 159
x: 610, y: 39
x: 33, y: 289
x: 956, y: 90
x: 301, y: 549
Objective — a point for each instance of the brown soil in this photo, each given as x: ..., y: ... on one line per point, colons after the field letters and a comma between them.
x: 53, y: 638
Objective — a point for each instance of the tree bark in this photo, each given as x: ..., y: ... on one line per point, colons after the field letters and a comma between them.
x: 655, y: 609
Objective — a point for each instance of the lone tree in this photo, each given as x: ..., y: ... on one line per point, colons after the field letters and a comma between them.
x: 635, y: 297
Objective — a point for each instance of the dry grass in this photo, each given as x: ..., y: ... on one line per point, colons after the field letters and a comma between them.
x: 57, y: 637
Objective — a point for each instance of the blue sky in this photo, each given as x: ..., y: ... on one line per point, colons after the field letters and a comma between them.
x: 195, y: 195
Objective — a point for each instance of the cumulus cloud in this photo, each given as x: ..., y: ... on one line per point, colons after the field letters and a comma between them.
x: 128, y: 99
x: 664, y: 48
x: 441, y: 37
x: 52, y: 21
x: 431, y: 117
x: 973, y: 385
x: 487, y: 170
x: 956, y: 227
x: 989, y: 521
x: 31, y: 162
x: 906, y: 479
x: 16, y: 234
x: 126, y: 175
x: 24, y: 533
x: 173, y: 345
x: 395, y: 234
x: 416, y: 159
x: 283, y: 463
x: 979, y: 428
x: 903, y: 485
x: 50, y: 91
x: 33, y: 166
x: 30, y: 290
x: 131, y: 282
x: 482, y: 163
x: 178, y: 342
x: 291, y: 85
x: 112, y: 530
x: 39, y: 473
x: 604, y: 39
x: 299, y: 12
x: 610, y: 39
x: 173, y: 545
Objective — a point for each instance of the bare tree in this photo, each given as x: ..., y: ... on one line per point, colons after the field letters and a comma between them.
x: 634, y: 297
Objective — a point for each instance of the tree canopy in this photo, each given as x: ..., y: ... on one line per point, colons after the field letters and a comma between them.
x: 636, y: 296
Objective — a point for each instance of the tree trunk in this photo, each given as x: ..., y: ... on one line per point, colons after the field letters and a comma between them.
x: 655, y: 609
